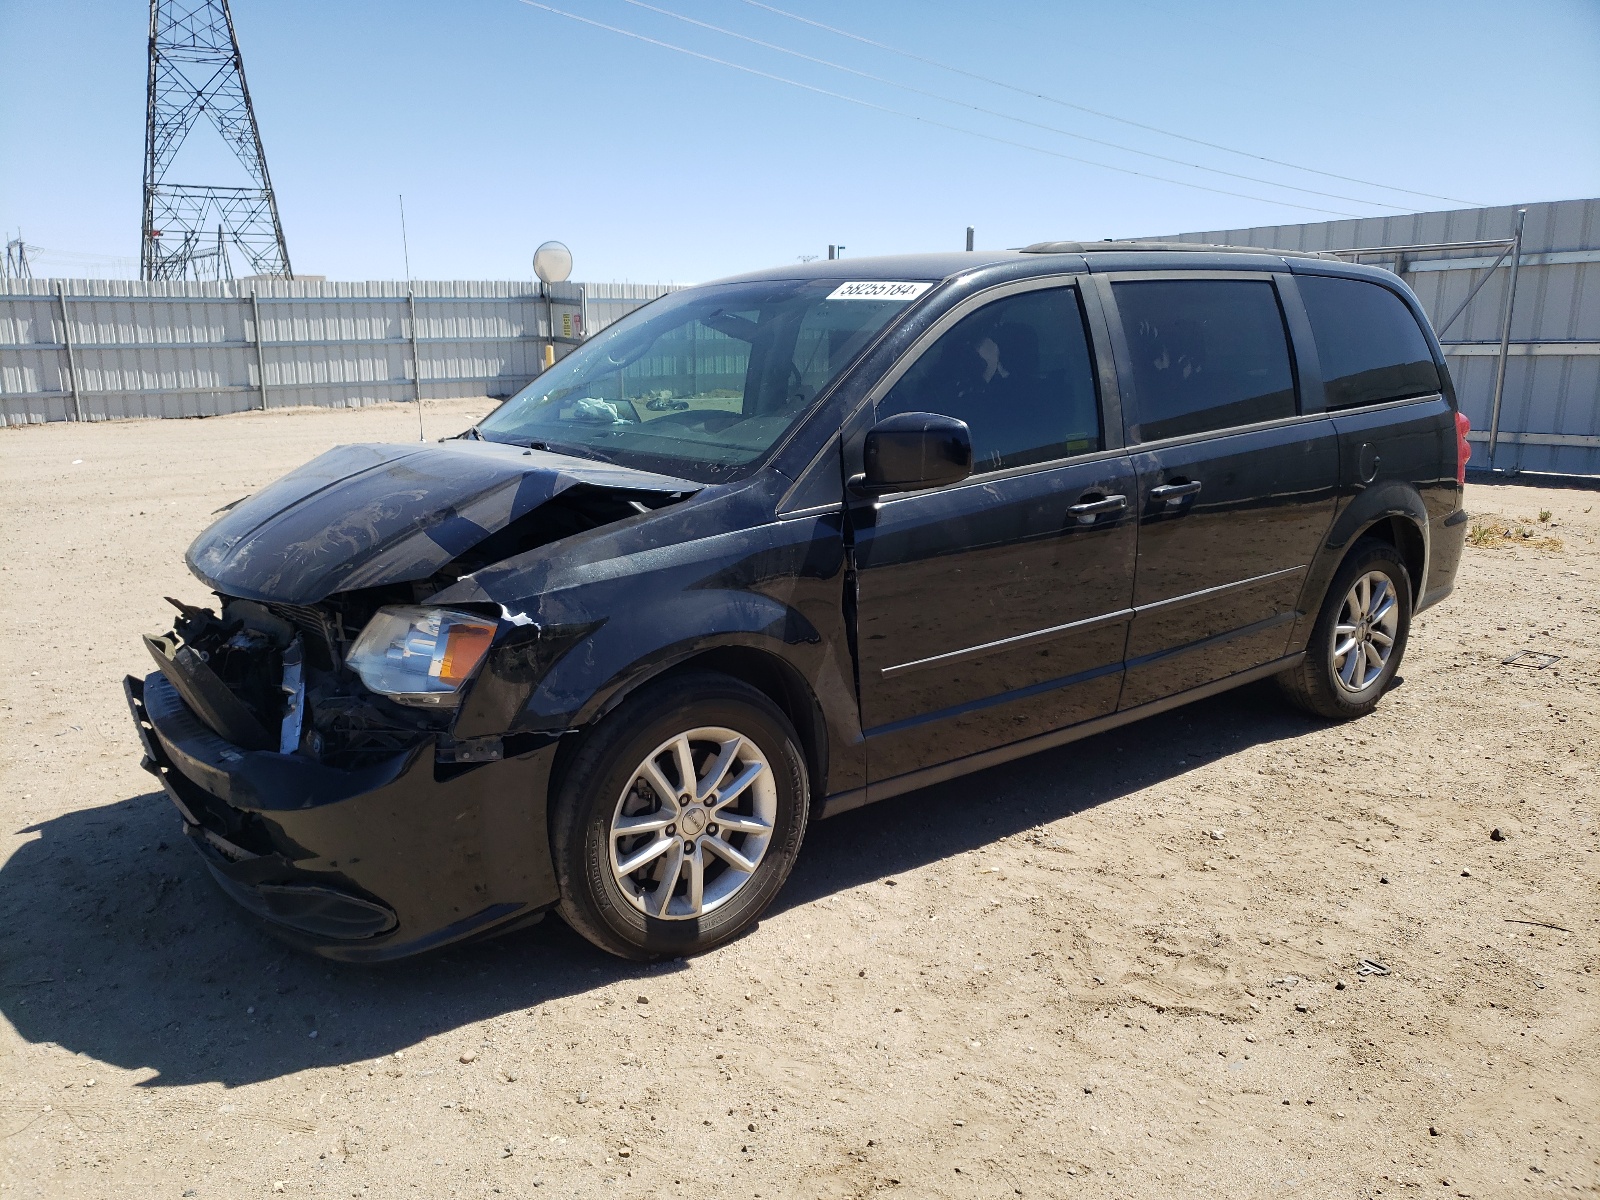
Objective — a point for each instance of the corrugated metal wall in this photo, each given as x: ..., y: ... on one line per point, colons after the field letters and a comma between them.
x: 1550, y: 406
x: 99, y: 349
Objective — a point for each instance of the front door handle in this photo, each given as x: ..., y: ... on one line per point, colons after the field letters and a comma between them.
x: 1087, y: 510
x: 1170, y: 492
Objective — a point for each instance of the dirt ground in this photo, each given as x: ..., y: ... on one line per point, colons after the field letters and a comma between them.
x: 1126, y: 968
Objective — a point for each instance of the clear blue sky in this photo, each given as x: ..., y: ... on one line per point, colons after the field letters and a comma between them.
x: 504, y: 125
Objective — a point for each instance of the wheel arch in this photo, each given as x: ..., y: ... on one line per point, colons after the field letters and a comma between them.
x: 770, y: 674
x: 1393, y: 513
x: 1407, y: 540
x: 779, y: 681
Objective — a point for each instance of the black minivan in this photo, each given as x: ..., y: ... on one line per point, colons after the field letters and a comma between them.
x: 772, y: 548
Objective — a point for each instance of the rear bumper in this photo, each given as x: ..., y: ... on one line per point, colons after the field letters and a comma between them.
x: 1447, y: 538
x: 358, y: 865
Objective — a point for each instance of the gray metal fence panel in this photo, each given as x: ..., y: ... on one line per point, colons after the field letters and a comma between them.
x: 1550, y: 406
x: 134, y: 349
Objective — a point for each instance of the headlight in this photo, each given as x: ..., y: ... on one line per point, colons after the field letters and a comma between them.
x: 421, y: 655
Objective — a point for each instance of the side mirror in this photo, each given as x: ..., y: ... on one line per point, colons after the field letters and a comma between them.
x: 914, y: 450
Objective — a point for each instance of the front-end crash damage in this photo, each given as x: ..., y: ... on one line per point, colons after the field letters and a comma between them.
x: 323, y: 706
x: 368, y: 516
x: 275, y: 677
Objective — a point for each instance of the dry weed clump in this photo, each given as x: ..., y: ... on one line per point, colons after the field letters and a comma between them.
x: 1493, y: 532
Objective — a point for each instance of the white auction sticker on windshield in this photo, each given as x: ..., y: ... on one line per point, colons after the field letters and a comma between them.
x: 878, y: 289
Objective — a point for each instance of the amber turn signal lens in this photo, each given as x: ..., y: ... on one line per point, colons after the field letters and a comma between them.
x: 464, y: 648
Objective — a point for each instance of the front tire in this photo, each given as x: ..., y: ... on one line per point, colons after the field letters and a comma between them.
x: 680, y: 818
x: 1359, y: 637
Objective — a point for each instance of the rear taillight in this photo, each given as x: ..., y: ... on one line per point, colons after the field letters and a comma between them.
x: 1463, y: 447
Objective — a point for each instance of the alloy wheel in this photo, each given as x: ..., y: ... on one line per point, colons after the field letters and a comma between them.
x: 693, y: 824
x: 1364, y: 635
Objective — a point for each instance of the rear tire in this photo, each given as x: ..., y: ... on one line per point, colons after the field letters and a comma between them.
x: 1359, y: 637
x: 680, y: 818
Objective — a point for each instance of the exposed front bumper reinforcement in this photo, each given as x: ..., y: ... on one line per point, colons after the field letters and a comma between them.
x: 361, y: 865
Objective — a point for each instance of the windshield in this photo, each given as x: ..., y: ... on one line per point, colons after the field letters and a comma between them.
x: 702, y: 382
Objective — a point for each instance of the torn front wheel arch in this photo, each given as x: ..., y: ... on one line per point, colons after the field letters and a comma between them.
x: 497, y: 698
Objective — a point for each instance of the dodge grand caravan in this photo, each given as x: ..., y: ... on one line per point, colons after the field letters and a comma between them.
x: 776, y: 547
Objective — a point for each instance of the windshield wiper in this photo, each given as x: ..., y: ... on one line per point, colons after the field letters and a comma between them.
x: 555, y: 448
x: 525, y: 443
x: 582, y: 452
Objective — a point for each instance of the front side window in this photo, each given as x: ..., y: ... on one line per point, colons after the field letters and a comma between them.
x: 1019, y: 373
x: 1207, y: 354
x: 703, y: 382
x: 1368, y: 343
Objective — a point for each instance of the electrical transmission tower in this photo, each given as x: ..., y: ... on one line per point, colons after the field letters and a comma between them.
x: 16, y: 262
x: 195, y: 70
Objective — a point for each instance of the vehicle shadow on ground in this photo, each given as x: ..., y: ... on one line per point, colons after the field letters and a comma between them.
x: 969, y: 812
x: 116, y: 945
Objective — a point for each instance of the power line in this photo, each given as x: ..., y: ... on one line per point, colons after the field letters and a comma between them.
x: 925, y: 120
x: 1094, y: 112
x: 82, y: 256
x: 905, y: 87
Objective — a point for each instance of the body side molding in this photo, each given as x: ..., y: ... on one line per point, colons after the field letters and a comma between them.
x: 859, y: 797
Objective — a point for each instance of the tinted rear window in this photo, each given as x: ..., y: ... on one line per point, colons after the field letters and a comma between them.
x: 1207, y: 354
x: 1368, y: 343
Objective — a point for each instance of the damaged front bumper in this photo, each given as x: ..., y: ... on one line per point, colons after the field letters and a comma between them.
x: 364, y: 864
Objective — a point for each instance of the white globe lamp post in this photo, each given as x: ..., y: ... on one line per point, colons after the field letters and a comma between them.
x: 552, y: 263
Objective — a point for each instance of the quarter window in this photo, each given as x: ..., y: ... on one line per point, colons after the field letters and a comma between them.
x: 1207, y: 354
x: 1369, y: 345
x: 1019, y: 373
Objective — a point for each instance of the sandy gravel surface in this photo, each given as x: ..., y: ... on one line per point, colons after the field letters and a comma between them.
x: 1127, y: 968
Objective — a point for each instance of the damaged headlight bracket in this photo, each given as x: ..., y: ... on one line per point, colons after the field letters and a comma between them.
x: 469, y: 750
x: 294, y: 697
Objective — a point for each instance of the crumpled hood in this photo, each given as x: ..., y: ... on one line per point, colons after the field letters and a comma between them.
x: 365, y: 515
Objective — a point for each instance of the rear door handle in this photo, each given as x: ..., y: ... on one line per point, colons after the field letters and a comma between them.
x: 1088, y: 510
x: 1175, y: 491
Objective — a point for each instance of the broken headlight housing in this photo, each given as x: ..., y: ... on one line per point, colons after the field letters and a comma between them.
x: 421, y: 656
